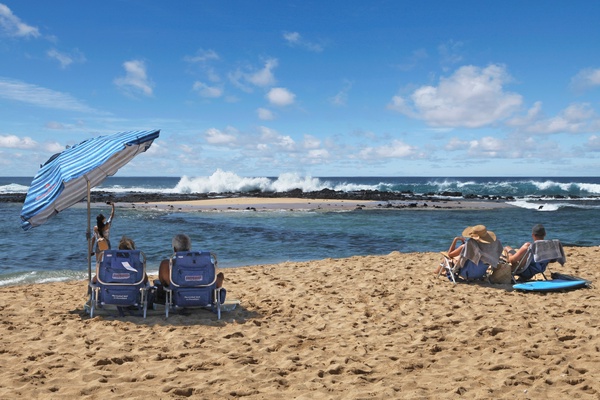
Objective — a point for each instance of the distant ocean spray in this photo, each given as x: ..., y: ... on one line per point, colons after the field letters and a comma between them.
x: 568, y: 206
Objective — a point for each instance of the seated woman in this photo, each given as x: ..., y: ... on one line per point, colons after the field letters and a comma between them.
x: 125, y: 243
x: 478, y: 233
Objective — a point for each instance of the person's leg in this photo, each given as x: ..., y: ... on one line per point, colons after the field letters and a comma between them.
x: 163, y: 273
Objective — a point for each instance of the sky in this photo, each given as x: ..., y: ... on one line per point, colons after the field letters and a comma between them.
x: 318, y: 88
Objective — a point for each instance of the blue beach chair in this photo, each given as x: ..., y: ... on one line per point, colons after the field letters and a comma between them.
x: 473, y: 262
x: 120, y: 281
x: 536, y: 259
x: 193, y: 278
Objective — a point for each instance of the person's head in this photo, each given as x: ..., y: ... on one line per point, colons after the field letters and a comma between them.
x: 126, y: 244
x: 181, y: 242
x: 480, y: 234
x: 538, y: 232
x: 100, y: 221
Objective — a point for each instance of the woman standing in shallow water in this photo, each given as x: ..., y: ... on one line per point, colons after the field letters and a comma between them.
x: 101, y: 239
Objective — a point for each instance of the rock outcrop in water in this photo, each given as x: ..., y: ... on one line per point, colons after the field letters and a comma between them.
x: 364, y: 195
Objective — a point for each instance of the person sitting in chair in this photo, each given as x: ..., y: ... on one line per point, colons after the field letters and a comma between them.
x: 478, y: 233
x: 514, y: 256
x: 180, y: 242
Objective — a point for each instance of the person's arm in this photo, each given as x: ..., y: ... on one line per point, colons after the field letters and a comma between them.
x: 94, y: 238
x: 112, y: 213
x: 452, y: 251
x: 518, y: 255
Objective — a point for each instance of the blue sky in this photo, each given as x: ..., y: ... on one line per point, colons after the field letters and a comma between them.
x: 318, y: 88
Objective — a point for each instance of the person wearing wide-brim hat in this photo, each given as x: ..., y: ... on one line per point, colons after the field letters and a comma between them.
x: 478, y: 232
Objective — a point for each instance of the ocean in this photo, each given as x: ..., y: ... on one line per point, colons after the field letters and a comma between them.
x: 569, y: 207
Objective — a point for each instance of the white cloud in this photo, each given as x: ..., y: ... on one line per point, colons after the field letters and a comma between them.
x: 203, y: 59
x: 593, y: 143
x: 341, y: 97
x: 215, y: 136
x: 450, y: 52
x: 39, y: 96
x: 576, y: 118
x: 65, y: 59
x: 280, y: 97
x: 488, y: 146
x: 207, y: 91
x: 456, y: 144
x: 286, y: 143
x: 472, y: 97
x: 12, y: 26
x: 295, y: 39
x: 261, y: 78
x: 135, y: 79
x: 53, y: 147
x: 265, y: 114
x: 586, y: 79
x: 311, y: 142
x: 202, y: 56
x: 318, y: 154
x: 395, y: 149
x: 15, y: 142
x: 264, y: 77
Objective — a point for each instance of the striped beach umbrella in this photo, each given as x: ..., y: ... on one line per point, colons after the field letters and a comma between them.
x: 66, y: 178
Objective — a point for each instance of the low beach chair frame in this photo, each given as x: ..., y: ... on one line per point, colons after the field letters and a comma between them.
x: 189, y: 287
x: 528, y: 260
x: 125, y: 287
x: 452, y: 267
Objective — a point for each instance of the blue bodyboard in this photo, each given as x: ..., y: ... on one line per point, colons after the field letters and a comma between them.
x: 551, y: 285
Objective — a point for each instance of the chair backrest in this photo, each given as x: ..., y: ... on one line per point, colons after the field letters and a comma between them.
x: 488, y: 253
x: 193, y: 269
x: 541, y: 253
x: 121, y: 267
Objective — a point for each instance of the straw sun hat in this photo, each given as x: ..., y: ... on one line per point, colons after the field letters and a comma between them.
x: 479, y: 233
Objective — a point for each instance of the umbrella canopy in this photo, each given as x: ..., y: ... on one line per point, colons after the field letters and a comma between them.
x: 66, y: 177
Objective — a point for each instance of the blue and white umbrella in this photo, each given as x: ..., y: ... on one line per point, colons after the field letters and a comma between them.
x: 66, y: 178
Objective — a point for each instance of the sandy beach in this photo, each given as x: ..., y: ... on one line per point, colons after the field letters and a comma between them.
x: 361, y: 327
x: 283, y: 203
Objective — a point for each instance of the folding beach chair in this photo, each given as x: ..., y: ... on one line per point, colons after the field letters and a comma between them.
x: 120, y: 281
x: 536, y: 259
x: 193, y: 278
x: 473, y: 261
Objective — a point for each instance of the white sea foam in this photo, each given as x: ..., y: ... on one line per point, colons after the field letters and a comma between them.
x: 225, y: 181
x: 591, y: 188
x: 535, y: 206
x: 13, y: 188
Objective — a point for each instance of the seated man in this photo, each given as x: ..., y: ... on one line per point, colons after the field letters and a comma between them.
x: 514, y: 256
x: 180, y: 242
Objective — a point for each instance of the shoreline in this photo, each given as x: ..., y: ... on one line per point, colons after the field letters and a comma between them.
x: 313, y: 204
x: 356, y: 327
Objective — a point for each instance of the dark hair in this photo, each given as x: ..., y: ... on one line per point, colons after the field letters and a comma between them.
x: 100, y: 224
x: 539, y: 231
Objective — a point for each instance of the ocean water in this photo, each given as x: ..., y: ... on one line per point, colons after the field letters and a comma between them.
x: 568, y: 207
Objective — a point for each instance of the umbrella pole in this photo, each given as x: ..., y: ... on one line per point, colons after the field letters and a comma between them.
x: 88, y: 233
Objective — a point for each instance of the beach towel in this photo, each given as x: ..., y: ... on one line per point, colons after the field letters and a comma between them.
x: 548, y: 250
x: 476, y: 251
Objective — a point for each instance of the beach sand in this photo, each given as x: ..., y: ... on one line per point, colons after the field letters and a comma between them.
x: 284, y: 203
x: 362, y: 327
